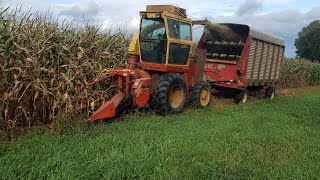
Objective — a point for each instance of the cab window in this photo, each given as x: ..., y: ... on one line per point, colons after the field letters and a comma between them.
x: 153, y: 40
x: 179, y: 30
x: 179, y: 54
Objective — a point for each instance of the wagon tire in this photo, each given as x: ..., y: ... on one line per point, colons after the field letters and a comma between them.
x: 270, y: 93
x: 170, y: 95
x: 241, y: 97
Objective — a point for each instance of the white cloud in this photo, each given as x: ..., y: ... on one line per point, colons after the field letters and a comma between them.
x: 89, y: 10
x: 249, y: 7
x: 278, y: 2
x: 314, y: 13
x: 135, y: 22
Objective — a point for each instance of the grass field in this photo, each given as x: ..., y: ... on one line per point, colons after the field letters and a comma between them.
x: 262, y: 139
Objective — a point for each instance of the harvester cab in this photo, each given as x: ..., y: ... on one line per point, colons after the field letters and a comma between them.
x: 162, y: 73
x: 165, y: 38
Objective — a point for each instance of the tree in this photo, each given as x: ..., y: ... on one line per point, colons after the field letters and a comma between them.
x: 308, y: 42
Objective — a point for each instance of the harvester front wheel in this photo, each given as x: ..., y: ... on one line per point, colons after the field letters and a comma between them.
x: 270, y: 93
x: 170, y: 95
x: 242, y: 96
x: 201, y: 95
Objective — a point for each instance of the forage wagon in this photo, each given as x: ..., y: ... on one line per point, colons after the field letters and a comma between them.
x: 242, y: 58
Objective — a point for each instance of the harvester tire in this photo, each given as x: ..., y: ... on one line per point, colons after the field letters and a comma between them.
x: 170, y: 95
x: 201, y: 95
x: 270, y: 93
x: 242, y: 96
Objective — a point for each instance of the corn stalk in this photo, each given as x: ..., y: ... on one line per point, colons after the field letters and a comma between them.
x: 46, y: 66
x: 300, y: 73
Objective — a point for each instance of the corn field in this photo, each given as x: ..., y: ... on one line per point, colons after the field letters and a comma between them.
x: 46, y: 66
x: 300, y: 73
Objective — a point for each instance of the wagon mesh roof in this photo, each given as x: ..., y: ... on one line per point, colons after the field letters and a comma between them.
x: 257, y: 34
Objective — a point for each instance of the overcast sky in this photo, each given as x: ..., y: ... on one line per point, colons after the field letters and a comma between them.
x: 284, y: 18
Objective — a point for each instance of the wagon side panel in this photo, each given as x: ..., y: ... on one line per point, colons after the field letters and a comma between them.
x: 264, y: 63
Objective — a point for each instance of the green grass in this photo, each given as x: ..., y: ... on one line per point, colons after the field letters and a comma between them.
x: 264, y: 139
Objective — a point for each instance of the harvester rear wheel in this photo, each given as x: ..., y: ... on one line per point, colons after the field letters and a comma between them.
x: 270, y: 93
x: 201, y: 95
x: 241, y: 97
x: 170, y: 95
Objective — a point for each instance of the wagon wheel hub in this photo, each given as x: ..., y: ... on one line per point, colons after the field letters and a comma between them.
x: 245, y: 98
